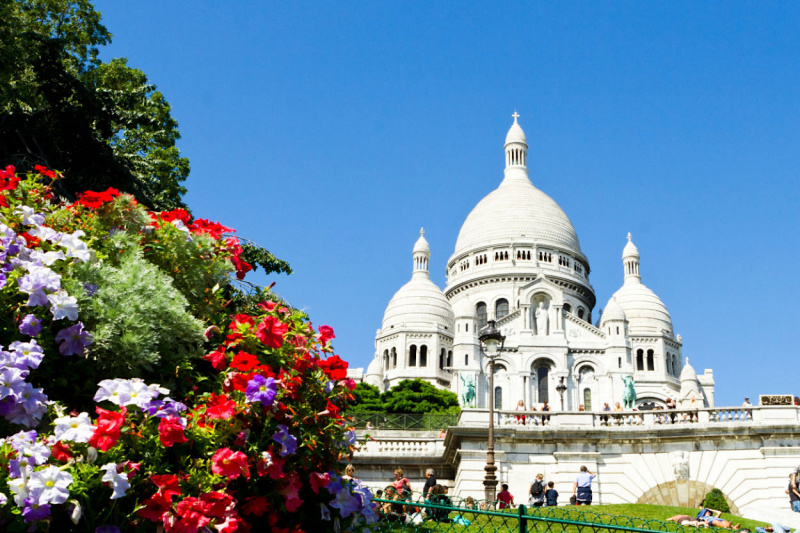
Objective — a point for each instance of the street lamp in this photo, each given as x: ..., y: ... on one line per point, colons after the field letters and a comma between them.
x: 561, y: 388
x: 491, y: 343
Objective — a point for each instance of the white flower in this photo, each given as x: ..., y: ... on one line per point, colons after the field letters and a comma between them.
x: 46, y: 258
x: 74, y: 246
x: 29, y: 216
x: 62, y: 305
x: 158, y: 389
x: 181, y: 226
x: 140, y: 393
x: 37, y: 451
x: 119, y: 482
x: 74, y: 429
x: 49, y: 486
x: 77, y: 511
x: 3, y: 499
x: 19, y: 487
x: 45, y: 233
x: 115, y: 391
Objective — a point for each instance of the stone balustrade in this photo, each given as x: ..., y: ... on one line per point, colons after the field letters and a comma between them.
x: 389, y: 446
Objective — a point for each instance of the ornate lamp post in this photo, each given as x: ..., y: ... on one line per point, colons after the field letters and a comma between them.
x: 561, y: 388
x: 491, y: 343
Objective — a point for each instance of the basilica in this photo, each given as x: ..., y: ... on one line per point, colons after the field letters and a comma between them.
x: 518, y: 262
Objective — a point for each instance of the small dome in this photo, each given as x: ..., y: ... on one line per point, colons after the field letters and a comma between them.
x: 419, y: 303
x: 515, y: 133
x: 375, y: 368
x: 422, y: 245
x: 630, y: 249
x: 644, y: 310
x: 688, y: 373
x: 612, y: 311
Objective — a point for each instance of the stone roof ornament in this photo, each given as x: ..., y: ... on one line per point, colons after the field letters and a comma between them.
x: 515, y: 115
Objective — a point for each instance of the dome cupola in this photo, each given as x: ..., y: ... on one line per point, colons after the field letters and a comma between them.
x: 516, y: 147
x: 422, y: 254
x: 630, y: 259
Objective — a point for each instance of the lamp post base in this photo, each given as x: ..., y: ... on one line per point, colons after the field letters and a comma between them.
x: 490, y: 483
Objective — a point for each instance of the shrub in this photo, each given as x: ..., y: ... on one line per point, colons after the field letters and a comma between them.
x: 716, y: 500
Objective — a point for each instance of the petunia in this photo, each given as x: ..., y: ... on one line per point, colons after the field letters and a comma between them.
x: 226, y: 462
x: 326, y: 334
x: 33, y: 512
x: 118, y: 481
x: 49, y: 485
x: 74, y: 428
x: 108, y: 431
x: 26, y: 355
x: 271, y: 332
x: 291, y: 492
x: 261, y: 389
x: 62, y: 305
x: 220, y: 407
x: 287, y: 441
x: 30, y: 326
x: 334, y: 367
x: 73, y: 340
x: 170, y: 431
x: 319, y: 480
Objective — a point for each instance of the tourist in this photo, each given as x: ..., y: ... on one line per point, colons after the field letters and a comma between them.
x: 774, y: 528
x: 686, y: 520
x: 604, y: 418
x: 671, y: 405
x: 402, y: 485
x: 439, y: 497
x: 505, y: 498
x: 520, y: 407
x: 747, y: 403
x: 535, y: 419
x: 551, y: 494
x: 443, y: 433
x: 581, y: 408
x: 582, y: 488
x: 794, y: 493
x: 618, y: 407
x: 712, y: 518
x: 349, y: 473
x: 369, y: 426
x: 430, y: 482
x: 391, y: 512
x: 536, y: 491
x: 545, y: 418
x: 470, y: 503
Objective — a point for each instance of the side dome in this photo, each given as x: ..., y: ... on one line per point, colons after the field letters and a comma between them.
x: 418, y: 302
x: 613, y: 311
x: 374, y: 375
x: 643, y: 309
x: 517, y: 211
x: 688, y: 373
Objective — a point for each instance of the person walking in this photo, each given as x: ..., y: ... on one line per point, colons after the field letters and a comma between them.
x: 582, y: 488
x: 537, y: 491
x: 551, y: 495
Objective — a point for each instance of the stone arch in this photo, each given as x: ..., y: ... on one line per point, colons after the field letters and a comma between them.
x: 688, y: 493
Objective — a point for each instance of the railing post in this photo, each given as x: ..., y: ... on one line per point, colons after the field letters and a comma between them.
x: 523, y: 525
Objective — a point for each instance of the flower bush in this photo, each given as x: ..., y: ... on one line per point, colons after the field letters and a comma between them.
x: 140, y: 390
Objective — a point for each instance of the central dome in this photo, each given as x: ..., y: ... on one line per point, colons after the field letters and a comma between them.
x: 517, y: 211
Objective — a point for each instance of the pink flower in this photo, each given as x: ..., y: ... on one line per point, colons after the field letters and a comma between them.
x: 326, y: 334
x: 319, y: 480
x: 170, y: 431
x: 291, y: 492
x: 230, y: 464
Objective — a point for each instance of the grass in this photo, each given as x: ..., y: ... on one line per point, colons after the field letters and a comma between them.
x: 625, y: 515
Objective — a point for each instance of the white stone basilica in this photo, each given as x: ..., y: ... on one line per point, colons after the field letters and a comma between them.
x: 518, y: 261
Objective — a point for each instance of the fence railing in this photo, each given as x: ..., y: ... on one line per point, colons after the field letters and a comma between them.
x: 407, y: 421
x: 442, y: 513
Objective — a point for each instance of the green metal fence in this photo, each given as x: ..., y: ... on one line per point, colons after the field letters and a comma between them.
x: 413, y: 421
x: 445, y: 514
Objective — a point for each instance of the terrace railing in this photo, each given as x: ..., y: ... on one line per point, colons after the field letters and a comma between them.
x: 405, y: 421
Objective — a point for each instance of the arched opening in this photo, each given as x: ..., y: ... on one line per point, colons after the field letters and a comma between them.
x: 480, y: 312
x: 394, y: 358
x: 567, y: 308
x: 640, y: 359
x: 542, y: 373
x: 466, y: 359
x: 501, y: 308
x: 498, y: 398
x: 449, y: 363
x: 587, y: 398
x: 651, y: 361
x: 423, y: 355
x: 412, y: 355
x: 386, y: 360
x: 581, y: 313
x: 442, y: 359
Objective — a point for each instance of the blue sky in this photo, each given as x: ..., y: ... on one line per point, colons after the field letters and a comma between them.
x: 330, y: 132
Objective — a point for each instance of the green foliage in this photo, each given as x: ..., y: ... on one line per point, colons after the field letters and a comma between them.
x: 367, y: 399
x: 260, y: 257
x: 418, y: 396
x: 716, y: 500
x: 103, y: 124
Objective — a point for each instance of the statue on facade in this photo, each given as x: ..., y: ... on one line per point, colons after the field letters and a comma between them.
x: 629, y: 398
x: 680, y: 464
x: 541, y: 319
x: 467, y: 391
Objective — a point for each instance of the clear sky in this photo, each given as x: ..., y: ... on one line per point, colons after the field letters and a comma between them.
x: 329, y: 132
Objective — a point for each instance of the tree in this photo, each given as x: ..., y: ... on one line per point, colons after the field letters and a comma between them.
x: 102, y: 124
x: 367, y: 399
x: 418, y: 396
x: 715, y: 499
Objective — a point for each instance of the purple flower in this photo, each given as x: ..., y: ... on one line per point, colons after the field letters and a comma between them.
x: 26, y: 355
x: 345, y: 502
x: 62, y: 305
x: 90, y: 289
x: 74, y: 340
x: 11, y: 382
x: 287, y: 442
x: 33, y: 513
x: 107, y: 529
x: 36, y: 281
x: 164, y: 408
x: 31, y: 326
x: 261, y: 389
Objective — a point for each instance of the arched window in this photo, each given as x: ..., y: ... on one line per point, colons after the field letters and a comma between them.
x: 498, y: 398
x: 466, y: 359
x: 501, y: 308
x: 386, y: 360
x: 669, y: 364
x: 651, y: 362
x: 449, y: 363
x: 581, y: 312
x: 480, y: 311
x: 541, y: 383
x: 587, y: 399
x: 567, y: 308
x: 412, y: 355
x: 423, y: 355
x: 441, y: 359
x: 640, y: 359
x: 394, y: 358
x: 676, y: 365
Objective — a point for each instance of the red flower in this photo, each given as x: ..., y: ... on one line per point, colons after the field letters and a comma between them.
x: 230, y: 464
x: 170, y: 431
x: 213, y: 229
x: 220, y: 407
x: 275, y: 470
x: 291, y: 492
x: 242, y: 267
x: 319, y: 480
x: 193, y: 515
x: 107, y: 433
x: 271, y: 331
x: 218, y: 503
x: 61, y: 452
x: 245, y: 362
x: 8, y: 181
x: 326, y: 334
x: 167, y: 484
x: 217, y: 359
x: 43, y: 171
x: 255, y: 505
x: 350, y: 384
x: 176, y: 214
x: 156, y: 506
x: 334, y: 367
x: 93, y: 200
x: 30, y: 240
x: 332, y: 409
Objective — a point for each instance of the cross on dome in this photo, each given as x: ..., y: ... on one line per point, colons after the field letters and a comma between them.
x: 629, y: 236
x: 515, y: 115
x: 421, y: 232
